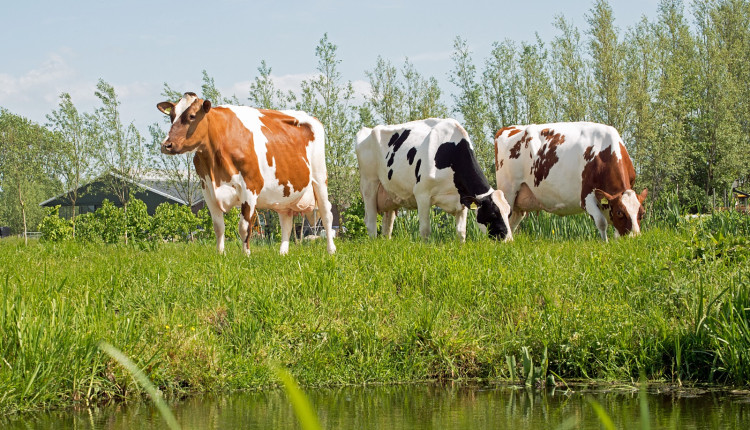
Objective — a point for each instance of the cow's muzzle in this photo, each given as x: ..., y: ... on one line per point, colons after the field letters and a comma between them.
x: 167, y: 148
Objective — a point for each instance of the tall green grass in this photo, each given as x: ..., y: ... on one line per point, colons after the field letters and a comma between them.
x: 672, y: 302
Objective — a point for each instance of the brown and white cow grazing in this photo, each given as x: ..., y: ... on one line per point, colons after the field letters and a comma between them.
x: 568, y: 168
x: 252, y: 158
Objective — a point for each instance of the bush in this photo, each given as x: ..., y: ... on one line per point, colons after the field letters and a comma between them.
x: 54, y: 228
x: 89, y: 228
x: 174, y: 222
x: 113, y: 222
x: 354, y: 221
x: 138, y: 220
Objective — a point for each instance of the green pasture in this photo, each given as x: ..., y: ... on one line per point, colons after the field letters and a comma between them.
x: 554, y: 305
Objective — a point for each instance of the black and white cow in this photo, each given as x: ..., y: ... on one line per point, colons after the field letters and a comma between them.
x: 423, y: 163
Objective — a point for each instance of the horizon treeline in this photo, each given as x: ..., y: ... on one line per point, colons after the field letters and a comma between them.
x: 677, y: 87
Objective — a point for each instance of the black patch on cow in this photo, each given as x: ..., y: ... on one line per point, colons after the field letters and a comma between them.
x: 396, y: 141
x: 416, y: 170
x: 489, y: 214
x: 411, y: 154
x: 467, y: 175
x: 470, y: 183
x: 390, y: 173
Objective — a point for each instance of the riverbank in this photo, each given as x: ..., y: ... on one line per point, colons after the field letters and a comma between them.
x: 669, y: 304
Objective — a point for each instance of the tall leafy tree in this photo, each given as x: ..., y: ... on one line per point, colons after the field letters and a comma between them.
x: 263, y: 92
x: 422, y: 96
x: 24, y: 181
x: 330, y: 99
x: 469, y: 101
x: 607, y: 65
x: 386, y: 98
x: 73, y: 159
x: 121, y: 154
x: 569, y: 73
x: 536, y: 92
x: 502, y: 85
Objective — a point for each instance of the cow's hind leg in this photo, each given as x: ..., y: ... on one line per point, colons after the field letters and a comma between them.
x: 424, y: 204
x: 592, y: 208
x: 387, y: 227
x: 246, y: 218
x: 285, y: 219
x: 369, y: 189
x: 324, y: 209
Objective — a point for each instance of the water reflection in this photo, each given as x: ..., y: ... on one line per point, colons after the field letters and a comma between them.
x: 456, y: 406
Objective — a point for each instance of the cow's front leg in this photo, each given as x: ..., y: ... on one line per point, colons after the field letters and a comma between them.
x: 285, y: 219
x: 424, y: 204
x: 461, y: 223
x: 245, y: 224
x: 217, y: 218
x: 592, y: 208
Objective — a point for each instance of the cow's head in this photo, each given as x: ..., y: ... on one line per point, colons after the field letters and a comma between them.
x: 492, y: 212
x: 625, y: 209
x: 186, y: 135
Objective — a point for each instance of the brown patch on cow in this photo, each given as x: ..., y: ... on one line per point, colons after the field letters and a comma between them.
x: 515, y: 151
x: 287, y: 148
x: 547, y: 155
x: 512, y: 129
x: 233, y: 150
x: 627, y: 165
x: 501, y: 163
x: 588, y: 155
x: 497, y: 165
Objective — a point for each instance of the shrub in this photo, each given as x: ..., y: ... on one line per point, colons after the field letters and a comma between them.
x: 174, y: 222
x: 138, y: 220
x: 113, y: 222
x: 54, y: 228
x: 89, y: 228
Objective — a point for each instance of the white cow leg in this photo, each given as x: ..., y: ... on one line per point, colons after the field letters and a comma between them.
x: 597, y: 215
x: 423, y: 210
x: 217, y: 218
x: 461, y: 223
x: 324, y: 210
x: 388, y: 218
x: 285, y: 219
x: 369, y: 191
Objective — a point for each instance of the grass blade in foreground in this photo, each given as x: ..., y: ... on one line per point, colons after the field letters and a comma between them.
x: 143, y: 381
x: 602, y: 415
x: 302, y: 408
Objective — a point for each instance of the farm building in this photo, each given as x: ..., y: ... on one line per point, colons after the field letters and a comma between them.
x: 152, y: 189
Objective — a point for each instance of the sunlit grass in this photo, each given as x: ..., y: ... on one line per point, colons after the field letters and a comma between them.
x: 672, y: 302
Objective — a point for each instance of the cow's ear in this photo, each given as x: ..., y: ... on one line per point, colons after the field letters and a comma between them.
x: 642, y: 196
x: 602, y: 197
x: 165, y: 107
x: 206, y: 106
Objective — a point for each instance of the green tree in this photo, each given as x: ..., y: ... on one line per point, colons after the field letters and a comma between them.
x: 386, y: 98
x: 263, y: 92
x: 501, y: 85
x: 121, y: 147
x: 73, y: 159
x: 469, y: 101
x: 607, y: 65
x: 422, y: 96
x: 24, y: 181
x: 569, y: 73
x: 331, y: 101
x: 536, y: 92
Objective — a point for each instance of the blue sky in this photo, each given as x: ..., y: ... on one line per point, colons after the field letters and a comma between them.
x: 50, y: 47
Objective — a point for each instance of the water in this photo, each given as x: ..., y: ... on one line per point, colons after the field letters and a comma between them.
x: 423, y: 407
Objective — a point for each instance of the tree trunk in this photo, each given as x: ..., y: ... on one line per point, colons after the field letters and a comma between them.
x: 23, y: 213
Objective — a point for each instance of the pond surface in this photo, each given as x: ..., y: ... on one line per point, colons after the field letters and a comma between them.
x: 457, y: 406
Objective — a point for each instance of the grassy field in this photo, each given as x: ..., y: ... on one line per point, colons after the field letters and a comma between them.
x: 673, y: 303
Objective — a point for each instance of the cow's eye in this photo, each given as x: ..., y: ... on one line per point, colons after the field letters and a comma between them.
x: 620, y: 214
x: 192, y: 116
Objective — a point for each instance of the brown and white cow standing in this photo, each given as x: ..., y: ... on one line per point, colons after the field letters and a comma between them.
x: 568, y: 168
x: 255, y: 159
